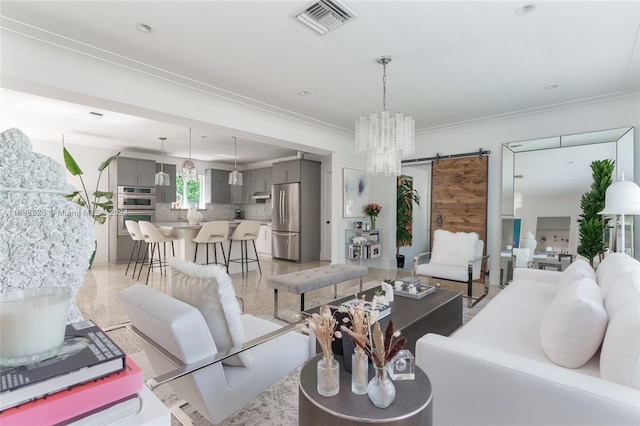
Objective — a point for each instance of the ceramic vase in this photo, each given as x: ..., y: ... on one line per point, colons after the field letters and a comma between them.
x: 194, y: 216
x: 328, y: 377
x: 381, y: 389
x: 359, y: 373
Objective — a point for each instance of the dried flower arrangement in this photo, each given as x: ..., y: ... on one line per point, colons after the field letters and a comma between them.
x: 360, y: 320
x: 324, y: 327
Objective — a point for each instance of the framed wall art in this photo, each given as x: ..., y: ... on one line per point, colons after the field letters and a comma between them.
x: 356, y: 192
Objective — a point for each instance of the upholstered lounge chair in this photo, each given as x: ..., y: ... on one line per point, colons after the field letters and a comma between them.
x: 455, y: 257
x: 214, y: 357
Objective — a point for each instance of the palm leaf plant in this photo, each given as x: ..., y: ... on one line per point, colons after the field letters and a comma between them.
x: 591, y: 224
x: 98, y: 204
x: 405, y: 197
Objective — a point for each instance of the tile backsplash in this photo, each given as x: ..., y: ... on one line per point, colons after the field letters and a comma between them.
x: 259, y: 211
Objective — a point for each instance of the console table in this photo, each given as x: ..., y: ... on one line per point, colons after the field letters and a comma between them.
x: 411, y: 407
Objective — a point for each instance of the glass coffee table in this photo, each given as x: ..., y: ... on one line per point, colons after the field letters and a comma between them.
x: 412, y: 405
x: 439, y: 312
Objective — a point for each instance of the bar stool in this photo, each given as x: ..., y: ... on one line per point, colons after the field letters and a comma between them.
x: 138, y: 239
x: 247, y: 230
x: 153, y: 236
x: 216, y: 232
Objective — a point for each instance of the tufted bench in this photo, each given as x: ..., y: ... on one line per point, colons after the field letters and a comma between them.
x: 312, y: 279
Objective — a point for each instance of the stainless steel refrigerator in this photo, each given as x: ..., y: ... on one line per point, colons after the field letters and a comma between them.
x: 285, y: 218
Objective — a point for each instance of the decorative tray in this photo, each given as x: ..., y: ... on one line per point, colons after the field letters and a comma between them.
x: 422, y: 290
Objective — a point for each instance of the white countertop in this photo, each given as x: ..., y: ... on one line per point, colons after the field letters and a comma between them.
x: 185, y: 225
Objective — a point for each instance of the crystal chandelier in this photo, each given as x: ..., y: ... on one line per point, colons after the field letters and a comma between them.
x: 162, y: 178
x: 235, y: 177
x: 384, y: 140
x: 189, y: 171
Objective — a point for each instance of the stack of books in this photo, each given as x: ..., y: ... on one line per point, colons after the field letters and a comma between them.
x: 90, y: 381
x: 383, y: 310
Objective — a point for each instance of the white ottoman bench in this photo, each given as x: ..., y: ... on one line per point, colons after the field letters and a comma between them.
x: 312, y: 279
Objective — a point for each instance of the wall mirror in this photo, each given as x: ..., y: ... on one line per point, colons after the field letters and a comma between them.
x: 542, y: 184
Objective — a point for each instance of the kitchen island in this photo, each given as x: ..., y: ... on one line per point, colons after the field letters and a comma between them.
x: 185, y: 247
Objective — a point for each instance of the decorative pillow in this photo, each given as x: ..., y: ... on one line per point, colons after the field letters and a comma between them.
x: 576, y: 273
x: 620, y: 354
x: 574, y: 324
x: 625, y: 292
x: 615, y: 271
x: 209, y: 289
x: 609, y: 263
x: 453, y: 249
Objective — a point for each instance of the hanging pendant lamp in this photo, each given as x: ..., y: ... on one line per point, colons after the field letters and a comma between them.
x: 235, y: 177
x: 386, y: 139
x: 189, y: 171
x: 162, y: 178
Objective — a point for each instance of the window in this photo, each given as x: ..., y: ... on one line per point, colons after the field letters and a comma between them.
x: 194, y: 191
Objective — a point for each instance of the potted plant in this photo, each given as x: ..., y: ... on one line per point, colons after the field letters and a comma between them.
x: 591, y: 224
x: 98, y: 206
x: 405, y: 197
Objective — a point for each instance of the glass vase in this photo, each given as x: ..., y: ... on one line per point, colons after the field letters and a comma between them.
x: 381, y: 390
x: 328, y: 377
x: 359, y: 373
x: 373, y: 222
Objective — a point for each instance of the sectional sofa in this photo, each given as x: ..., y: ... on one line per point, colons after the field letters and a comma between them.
x: 552, y: 348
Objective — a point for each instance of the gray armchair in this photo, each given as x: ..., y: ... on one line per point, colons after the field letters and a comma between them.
x: 455, y: 257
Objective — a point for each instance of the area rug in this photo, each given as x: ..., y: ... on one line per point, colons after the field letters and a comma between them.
x: 277, y: 406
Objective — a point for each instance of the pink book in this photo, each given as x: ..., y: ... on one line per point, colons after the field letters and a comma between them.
x: 77, y: 401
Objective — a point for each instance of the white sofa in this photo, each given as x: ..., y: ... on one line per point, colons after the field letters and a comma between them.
x: 497, y: 370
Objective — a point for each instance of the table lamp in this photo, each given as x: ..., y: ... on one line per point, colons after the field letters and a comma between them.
x: 622, y: 198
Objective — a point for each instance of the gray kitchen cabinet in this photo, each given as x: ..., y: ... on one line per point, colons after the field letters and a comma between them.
x: 135, y: 172
x: 219, y: 190
x: 287, y: 171
x: 167, y: 194
x: 237, y: 194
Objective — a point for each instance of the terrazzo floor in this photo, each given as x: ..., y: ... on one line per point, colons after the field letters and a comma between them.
x: 97, y: 300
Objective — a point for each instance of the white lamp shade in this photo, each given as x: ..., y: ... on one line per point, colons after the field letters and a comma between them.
x: 622, y: 197
x: 162, y: 179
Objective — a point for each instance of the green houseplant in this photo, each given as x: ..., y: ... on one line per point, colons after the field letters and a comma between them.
x: 100, y: 204
x: 405, y: 197
x: 591, y: 224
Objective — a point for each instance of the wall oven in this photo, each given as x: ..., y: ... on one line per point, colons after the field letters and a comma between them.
x: 136, y: 197
x: 137, y: 215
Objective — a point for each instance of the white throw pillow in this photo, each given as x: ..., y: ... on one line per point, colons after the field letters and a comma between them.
x: 575, y: 274
x: 453, y: 248
x: 209, y: 289
x: 620, y: 354
x: 574, y: 323
x: 625, y: 292
x: 582, y: 266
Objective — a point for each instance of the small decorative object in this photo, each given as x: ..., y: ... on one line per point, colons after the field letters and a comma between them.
x: 398, y: 285
x: 388, y: 291
x: 32, y: 324
x: 372, y: 210
x: 324, y: 327
x: 379, y: 298
x: 194, y: 216
x: 381, y: 390
x: 360, y: 320
x: 403, y: 366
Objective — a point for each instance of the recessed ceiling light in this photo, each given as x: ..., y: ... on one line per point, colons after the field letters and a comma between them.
x: 525, y: 9
x: 304, y: 93
x: 551, y: 86
x: 144, y: 28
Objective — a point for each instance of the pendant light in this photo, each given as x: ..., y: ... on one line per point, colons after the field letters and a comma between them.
x: 162, y: 178
x: 189, y: 171
x: 235, y: 177
x: 386, y: 139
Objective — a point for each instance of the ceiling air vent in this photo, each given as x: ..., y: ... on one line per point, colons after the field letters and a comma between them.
x: 325, y: 15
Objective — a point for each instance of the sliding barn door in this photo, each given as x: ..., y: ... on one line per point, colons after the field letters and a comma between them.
x: 459, y: 195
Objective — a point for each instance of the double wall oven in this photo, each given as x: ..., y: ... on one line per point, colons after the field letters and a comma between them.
x: 135, y: 203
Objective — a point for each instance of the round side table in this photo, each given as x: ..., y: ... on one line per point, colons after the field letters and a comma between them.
x: 412, y: 405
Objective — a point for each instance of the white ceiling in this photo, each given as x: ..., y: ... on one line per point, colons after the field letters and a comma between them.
x: 453, y: 61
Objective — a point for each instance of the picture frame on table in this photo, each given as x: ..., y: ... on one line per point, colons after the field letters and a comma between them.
x: 355, y: 192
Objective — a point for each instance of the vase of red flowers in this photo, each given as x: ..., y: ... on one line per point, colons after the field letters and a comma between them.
x: 372, y: 210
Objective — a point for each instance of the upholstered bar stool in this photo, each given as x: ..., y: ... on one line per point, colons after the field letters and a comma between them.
x: 216, y: 232
x: 153, y: 236
x: 247, y: 231
x: 138, y: 240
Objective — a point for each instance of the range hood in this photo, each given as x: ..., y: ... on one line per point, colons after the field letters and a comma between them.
x: 261, y: 195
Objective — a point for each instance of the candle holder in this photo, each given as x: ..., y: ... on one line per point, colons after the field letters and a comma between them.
x: 32, y: 324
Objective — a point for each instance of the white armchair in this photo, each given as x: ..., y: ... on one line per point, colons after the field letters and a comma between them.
x: 522, y: 257
x: 455, y: 257
x: 183, y: 351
